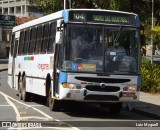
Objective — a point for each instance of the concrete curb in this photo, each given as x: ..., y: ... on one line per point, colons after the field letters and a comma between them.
x: 3, y: 70
x: 146, y: 113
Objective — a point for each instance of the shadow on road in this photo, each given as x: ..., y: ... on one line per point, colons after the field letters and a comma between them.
x: 94, y: 111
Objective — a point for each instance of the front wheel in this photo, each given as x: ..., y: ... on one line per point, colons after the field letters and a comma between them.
x: 115, y: 108
x: 54, y: 104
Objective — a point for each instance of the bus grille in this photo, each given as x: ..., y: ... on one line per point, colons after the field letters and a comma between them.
x: 100, y: 89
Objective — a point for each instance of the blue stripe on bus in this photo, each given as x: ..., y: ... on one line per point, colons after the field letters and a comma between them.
x: 25, y: 58
x: 63, y: 77
x: 139, y: 80
x: 65, y: 15
x: 138, y: 21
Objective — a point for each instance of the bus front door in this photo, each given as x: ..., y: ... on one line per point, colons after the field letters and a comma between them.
x: 55, y: 70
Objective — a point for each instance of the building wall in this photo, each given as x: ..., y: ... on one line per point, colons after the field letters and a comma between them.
x: 18, y: 8
x: 5, y: 38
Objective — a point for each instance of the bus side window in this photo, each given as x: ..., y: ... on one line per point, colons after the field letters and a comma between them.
x: 27, y: 37
x: 21, y: 42
x: 39, y: 39
x: 29, y: 40
x: 15, y: 48
x: 52, y: 35
x: 32, y: 41
x: 12, y: 44
x: 45, y: 37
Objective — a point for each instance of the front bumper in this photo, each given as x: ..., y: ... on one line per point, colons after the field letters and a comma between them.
x: 94, y: 96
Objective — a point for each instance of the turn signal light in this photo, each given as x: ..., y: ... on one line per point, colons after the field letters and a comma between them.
x: 64, y: 85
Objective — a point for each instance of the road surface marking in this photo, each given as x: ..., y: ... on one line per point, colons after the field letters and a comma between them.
x: 14, y: 107
x: 5, y: 105
x: 16, y: 110
x: 23, y: 113
x: 33, y: 117
x: 49, y: 118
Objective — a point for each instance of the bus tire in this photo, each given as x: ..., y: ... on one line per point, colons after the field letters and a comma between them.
x: 48, y: 91
x: 25, y: 95
x: 20, y: 88
x: 54, y: 104
x: 115, y: 108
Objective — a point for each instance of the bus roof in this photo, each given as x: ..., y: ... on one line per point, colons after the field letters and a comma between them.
x: 104, y: 11
x: 59, y: 15
x: 40, y: 20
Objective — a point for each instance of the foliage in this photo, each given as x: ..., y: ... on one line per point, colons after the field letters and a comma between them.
x: 141, y: 7
x: 150, y: 77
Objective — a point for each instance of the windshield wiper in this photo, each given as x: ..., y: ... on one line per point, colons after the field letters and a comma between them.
x: 118, y: 34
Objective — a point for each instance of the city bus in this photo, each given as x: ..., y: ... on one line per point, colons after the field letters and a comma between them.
x: 78, y: 55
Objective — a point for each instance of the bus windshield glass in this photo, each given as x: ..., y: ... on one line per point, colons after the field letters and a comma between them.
x: 101, y: 49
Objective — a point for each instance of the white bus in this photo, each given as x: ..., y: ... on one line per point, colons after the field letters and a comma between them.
x: 83, y: 55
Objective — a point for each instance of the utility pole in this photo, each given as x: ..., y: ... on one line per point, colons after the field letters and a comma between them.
x: 67, y: 4
x: 152, y: 32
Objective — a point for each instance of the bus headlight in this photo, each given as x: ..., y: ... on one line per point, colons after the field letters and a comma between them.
x: 71, y: 85
x: 129, y: 88
x: 132, y: 88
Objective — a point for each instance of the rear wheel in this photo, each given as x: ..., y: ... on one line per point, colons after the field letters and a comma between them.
x: 25, y: 95
x: 115, y: 108
x: 20, y: 87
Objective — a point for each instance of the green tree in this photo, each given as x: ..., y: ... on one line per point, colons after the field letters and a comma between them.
x: 141, y: 7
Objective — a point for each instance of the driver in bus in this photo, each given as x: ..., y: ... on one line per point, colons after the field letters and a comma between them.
x: 115, y: 50
x: 84, y: 48
x: 75, y: 44
x: 96, y: 46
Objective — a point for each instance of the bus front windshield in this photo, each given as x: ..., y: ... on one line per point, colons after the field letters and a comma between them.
x: 101, y: 49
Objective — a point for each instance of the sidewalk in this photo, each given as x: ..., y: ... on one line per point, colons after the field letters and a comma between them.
x: 149, y: 104
x: 3, y: 64
x: 3, y: 67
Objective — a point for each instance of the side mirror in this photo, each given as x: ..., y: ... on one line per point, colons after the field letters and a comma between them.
x: 143, y: 40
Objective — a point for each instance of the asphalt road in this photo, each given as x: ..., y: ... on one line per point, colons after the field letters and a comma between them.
x: 77, y: 116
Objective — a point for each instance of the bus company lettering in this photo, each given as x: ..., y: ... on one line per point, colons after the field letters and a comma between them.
x: 43, y: 66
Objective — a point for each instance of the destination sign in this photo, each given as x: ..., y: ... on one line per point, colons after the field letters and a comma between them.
x: 102, y: 17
